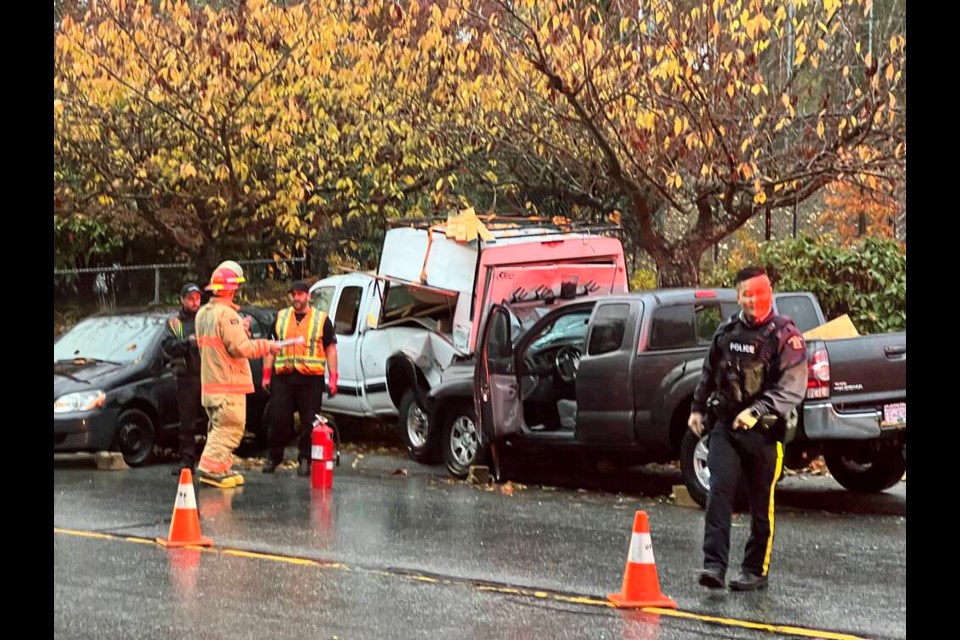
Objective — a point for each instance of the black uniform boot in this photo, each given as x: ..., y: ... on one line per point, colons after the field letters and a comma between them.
x: 748, y: 582
x: 712, y: 579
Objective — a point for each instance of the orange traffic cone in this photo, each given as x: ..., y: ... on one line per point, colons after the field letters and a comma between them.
x: 185, y: 526
x: 641, y: 588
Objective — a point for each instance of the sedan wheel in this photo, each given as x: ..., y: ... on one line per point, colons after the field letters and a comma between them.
x: 135, y: 437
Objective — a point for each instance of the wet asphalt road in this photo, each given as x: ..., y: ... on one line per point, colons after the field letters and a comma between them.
x: 397, y: 550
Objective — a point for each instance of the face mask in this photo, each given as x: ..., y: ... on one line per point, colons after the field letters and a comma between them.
x: 756, y: 297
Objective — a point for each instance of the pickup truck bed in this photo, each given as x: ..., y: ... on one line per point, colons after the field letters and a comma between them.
x: 855, y: 413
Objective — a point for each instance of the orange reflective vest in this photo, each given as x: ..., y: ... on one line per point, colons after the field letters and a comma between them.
x: 309, y: 357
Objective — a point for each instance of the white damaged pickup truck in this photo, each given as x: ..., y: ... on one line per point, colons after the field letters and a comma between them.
x: 401, y: 329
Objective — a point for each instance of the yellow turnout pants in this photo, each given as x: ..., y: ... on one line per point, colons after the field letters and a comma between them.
x: 228, y: 417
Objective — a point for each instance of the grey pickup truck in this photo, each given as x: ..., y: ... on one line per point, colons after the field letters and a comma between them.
x: 615, y: 375
x: 854, y: 414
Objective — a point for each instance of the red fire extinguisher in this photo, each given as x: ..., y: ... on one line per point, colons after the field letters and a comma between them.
x: 323, y: 453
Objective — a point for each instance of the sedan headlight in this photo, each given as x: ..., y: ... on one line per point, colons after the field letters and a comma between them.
x: 80, y: 401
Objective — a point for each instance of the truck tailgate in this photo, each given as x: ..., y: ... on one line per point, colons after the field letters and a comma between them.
x: 868, y: 369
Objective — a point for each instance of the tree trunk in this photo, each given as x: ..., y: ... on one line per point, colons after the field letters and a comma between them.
x: 680, y: 269
x: 204, y: 261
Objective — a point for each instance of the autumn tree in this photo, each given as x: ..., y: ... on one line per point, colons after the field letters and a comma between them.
x: 225, y: 126
x: 691, y: 116
x: 252, y: 124
x: 853, y: 212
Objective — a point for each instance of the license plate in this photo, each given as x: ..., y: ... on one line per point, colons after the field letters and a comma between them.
x: 894, y: 415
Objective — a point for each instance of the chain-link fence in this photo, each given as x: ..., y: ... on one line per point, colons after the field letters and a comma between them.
x: 123, y: 286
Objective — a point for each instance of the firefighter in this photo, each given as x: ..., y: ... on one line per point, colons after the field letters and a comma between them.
x: 225, y: 378
x: 752, y: 379
x: 297, y: 381
x: 180, y: 345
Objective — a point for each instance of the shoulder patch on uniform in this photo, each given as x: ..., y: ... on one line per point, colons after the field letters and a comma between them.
x: 796, y: 342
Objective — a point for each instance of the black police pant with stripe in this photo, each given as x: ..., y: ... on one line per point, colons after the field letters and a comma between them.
x: 756, y: 457
x: 293, y: 393
x: 191, y: 412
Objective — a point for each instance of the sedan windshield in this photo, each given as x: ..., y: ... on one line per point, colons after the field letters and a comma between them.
x: 114, y: 339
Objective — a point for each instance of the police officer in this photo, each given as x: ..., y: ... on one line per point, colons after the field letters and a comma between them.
x: 298, y: 375
x: 180, y: 345
x: 753, y: 377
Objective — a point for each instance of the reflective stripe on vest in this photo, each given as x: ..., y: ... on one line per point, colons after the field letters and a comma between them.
x: 177, y: 325
x: 233, y: 388
x: 308, y: 358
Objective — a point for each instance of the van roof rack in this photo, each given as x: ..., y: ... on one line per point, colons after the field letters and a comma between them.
x: 508, y: 225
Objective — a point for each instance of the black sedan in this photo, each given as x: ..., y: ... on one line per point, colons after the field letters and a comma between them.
x: 113, y: 388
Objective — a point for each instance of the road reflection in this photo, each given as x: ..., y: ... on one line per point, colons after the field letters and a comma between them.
x: 183, y: 566
x: 640, y: 625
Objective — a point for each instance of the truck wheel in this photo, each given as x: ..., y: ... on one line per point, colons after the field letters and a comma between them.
x: 460, y: 440
x: 868, y: 471
x: 693, y: 467
x: 696, y: 474
x: 415, y: 426
x: 135, y: 437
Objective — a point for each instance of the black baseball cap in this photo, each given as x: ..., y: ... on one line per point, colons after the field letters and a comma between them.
x: 189, y: 288
x: 299, y: 285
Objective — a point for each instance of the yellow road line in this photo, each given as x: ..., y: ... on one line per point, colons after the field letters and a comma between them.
x: 504, y: 590
x: 85, y: 534
x: 746, y: 624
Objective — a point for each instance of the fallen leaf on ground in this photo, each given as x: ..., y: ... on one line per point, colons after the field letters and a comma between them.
x: 818, y: 466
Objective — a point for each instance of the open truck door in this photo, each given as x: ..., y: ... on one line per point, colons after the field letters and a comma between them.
x: 496, y: 389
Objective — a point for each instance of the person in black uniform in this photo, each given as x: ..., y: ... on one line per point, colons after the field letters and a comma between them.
x: 297, y: 372
x: 180, y: 345
x: 754, y: 376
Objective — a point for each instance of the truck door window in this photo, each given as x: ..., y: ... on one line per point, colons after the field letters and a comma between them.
x: 348, y: 309
x: 499, y: 346
x: 609, y: 326
x: 568, y: 330
x: 708, y: 317
x: 322, y: 298
x: 673, y: 328
x: 799, y: 309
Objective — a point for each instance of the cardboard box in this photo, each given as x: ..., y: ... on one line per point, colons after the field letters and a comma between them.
x: 837, y: 328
